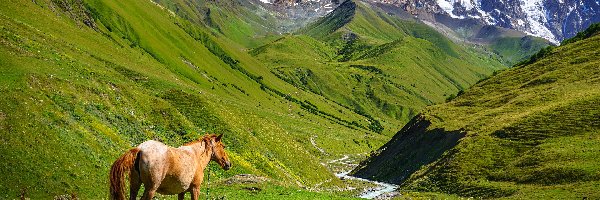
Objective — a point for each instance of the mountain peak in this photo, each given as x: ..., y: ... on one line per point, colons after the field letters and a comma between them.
x: 549, y: 19
x: 553, y: 20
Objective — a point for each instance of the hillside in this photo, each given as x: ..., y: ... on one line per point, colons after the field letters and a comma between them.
x: 530, y: 132
x: 511, y: 46
x: 242, y: 22
x: 82, y: 81
x: 376, y: 64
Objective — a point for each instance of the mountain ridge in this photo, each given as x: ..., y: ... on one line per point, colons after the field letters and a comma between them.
x: 84, y: 80
x: 549, y: 19
x: 360, y: 41
x: 527, y: 132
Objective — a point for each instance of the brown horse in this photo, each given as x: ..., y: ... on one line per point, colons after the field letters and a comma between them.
x: 165, y: 169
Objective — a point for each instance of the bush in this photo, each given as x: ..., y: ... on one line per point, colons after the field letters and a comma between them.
x: 589, y: 32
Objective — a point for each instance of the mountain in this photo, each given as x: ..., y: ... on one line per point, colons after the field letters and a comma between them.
x: 553, y: 20
x: 510, y: 45
x: 304, y: 10
x: 378, y: 65
x: 529, y: 132
x: 83, y: 81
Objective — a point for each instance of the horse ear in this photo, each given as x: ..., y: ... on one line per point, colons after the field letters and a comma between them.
x: 219, y: 137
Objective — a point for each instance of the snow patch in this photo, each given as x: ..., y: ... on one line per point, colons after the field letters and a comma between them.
x: 467, y: 4
x: 534, y: 9
x: 448, y: 6
x: 536, y: 16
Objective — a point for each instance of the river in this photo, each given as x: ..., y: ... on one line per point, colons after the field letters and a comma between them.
x: 383, y: 188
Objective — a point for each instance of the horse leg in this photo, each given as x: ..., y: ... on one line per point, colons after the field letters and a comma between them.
x: 149, y: 193
x: 134, y: 184
x: 151, y: 178
x: 181, y: 196
x: 195, y: 193
x: 150, y: 190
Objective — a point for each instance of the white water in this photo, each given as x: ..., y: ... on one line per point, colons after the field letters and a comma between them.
x: 341, y: 160
x: 383, y: 188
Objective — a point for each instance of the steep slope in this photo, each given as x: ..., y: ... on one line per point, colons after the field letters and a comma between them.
x: 381, y: 67
x: 530, y: 132
x: 82, y: 81
x: 245, y: 23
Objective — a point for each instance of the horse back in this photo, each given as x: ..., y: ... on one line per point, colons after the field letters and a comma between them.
x: 153, y: 157
x: 173, y: 169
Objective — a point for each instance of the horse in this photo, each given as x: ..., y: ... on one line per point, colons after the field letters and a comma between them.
x: 166, y: 170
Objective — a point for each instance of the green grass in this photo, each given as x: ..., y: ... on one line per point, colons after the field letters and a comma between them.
x: 257, y: 187
x: 516, y: 49
x: 76, y: 96
x: 375, y: 64
x: 242, y: 23
x: 82, y: 81
x: 270, y: 192
x: 267, y: 191
x: 531, y: 133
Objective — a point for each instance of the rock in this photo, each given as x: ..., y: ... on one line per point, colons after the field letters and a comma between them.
x: 245, y: 179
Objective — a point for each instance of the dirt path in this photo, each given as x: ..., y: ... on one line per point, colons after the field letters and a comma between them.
x: 312, y: 141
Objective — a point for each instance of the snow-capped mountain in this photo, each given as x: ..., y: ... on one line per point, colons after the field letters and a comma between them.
x: 295, y: 14
x: 303, y: 8
x: 554, y: 20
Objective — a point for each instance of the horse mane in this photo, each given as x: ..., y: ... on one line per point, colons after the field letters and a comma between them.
x: 205, y: 139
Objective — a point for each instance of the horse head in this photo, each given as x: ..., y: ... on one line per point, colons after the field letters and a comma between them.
x: 219, y: 154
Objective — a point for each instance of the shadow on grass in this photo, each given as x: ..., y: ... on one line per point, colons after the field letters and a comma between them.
x: 410, y: 149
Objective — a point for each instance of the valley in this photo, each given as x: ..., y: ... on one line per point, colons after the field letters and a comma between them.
x: 309, y: 96
x: 527, y: 133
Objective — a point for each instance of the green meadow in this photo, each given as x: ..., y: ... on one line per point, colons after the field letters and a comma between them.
x: 529, y: 132
x: 82, y: 81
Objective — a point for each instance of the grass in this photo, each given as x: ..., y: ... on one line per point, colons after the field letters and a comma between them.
x: 84, y: 80
x: 375, y: 64
x: 530, y: 133
x: 76, y: 96
x: 516, y: 49
x: 260, y: 187
x: 242, y: 23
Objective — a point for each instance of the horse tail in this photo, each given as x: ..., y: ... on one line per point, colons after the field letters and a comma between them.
x: 117, y: 173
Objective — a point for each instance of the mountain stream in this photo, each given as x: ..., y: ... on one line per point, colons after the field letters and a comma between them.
x: 382, y: 191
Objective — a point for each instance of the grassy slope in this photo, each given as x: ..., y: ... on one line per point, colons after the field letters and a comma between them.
x: 74, y: 98
x: 531, y: 133
x: 516, y: 49
x: 240, y: 21
x: 511, y: 46
x: 388, y: 69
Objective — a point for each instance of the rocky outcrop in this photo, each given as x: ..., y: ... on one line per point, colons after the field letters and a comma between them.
x: 303, y: 9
